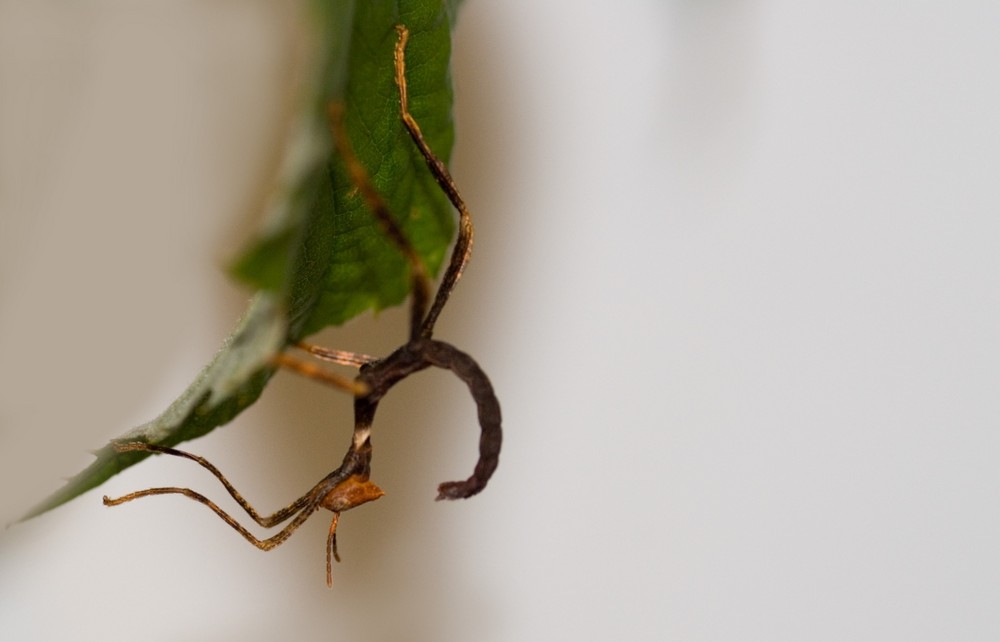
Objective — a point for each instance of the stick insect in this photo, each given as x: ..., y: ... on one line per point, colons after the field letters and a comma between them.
x: 349, y: 486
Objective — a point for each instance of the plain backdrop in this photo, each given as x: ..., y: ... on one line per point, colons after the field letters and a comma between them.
x: 735, y: 281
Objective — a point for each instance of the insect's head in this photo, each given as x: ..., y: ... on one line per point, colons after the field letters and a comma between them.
x: 352, y: 491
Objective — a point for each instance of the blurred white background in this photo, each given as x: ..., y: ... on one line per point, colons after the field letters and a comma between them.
x: 736, y: 283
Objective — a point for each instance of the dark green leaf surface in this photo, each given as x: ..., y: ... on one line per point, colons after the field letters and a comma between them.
x: 329, y: 258
x: 321, y: 258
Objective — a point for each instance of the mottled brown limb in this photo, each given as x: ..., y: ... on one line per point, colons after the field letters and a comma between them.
x: 342, y: 357
x: 462, y: 251
x: 263, y: 544
x: 331, y: 549
x: 313, y: 371
x: 420, y: 282
x: 266, y: 521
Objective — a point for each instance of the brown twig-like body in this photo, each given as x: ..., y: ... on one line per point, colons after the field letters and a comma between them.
x: 349, y: 485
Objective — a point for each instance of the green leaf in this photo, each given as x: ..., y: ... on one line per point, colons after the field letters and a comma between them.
x: 321, y: 259
x: 328, y: 257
